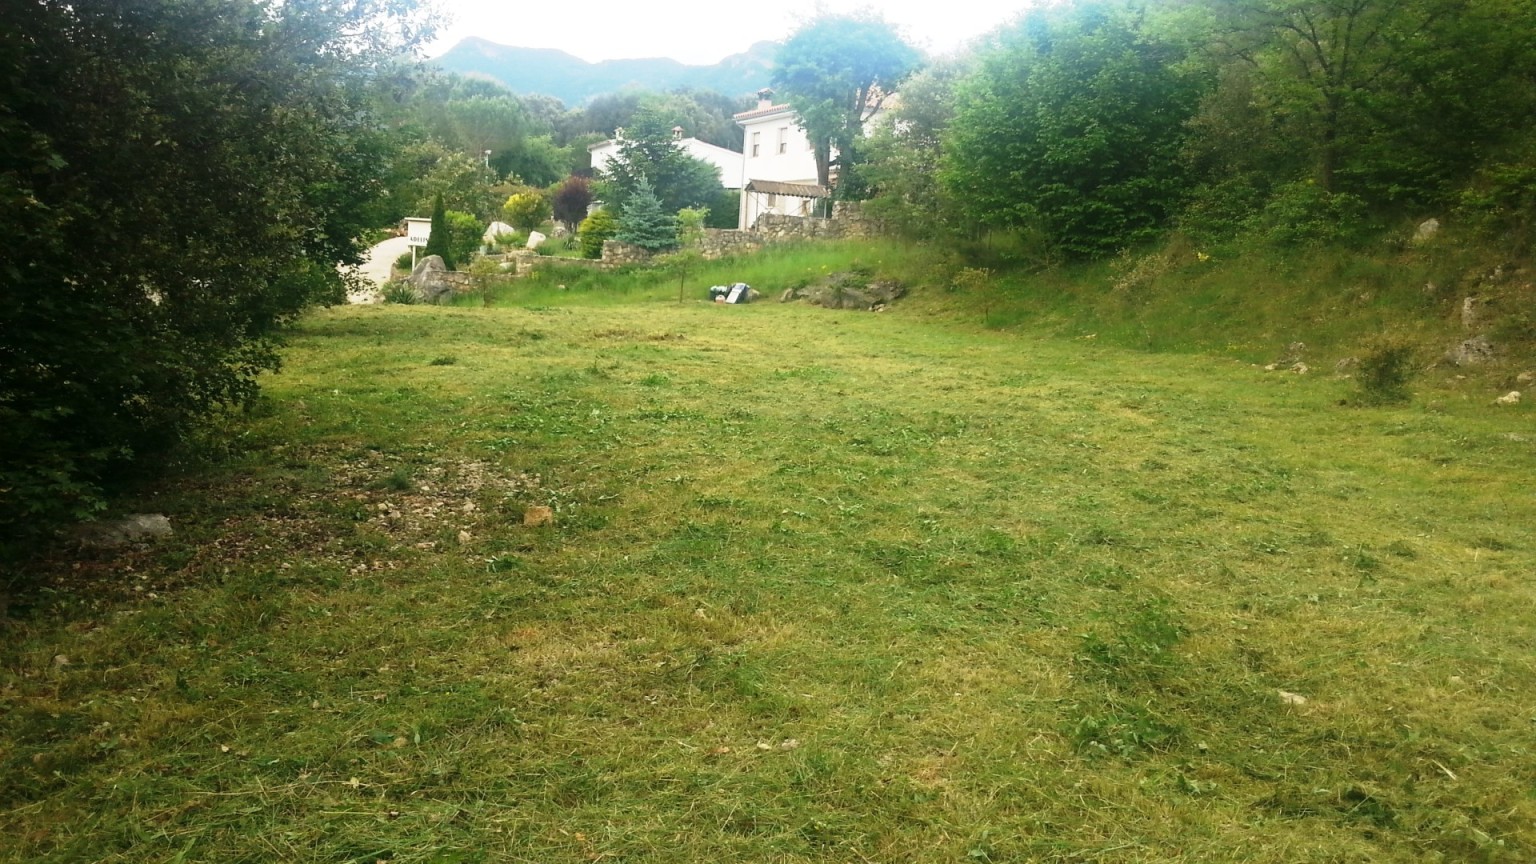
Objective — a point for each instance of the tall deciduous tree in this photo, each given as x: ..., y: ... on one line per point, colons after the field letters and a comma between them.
x: 1074, y: 123
x: 1391, y: 99
x: 181, y: 179
x: 836, y: 71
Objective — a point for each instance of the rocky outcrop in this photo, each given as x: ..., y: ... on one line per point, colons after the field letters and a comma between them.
x: 848, y: 291
x: 432, y: 281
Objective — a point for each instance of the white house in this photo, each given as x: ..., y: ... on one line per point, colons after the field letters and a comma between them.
x: 728, y: 161
x: 778, y: 163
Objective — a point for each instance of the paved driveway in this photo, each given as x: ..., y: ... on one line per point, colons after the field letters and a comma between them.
x: 376, y: 267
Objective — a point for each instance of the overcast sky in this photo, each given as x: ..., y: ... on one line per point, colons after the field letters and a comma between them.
x: 698, y: 32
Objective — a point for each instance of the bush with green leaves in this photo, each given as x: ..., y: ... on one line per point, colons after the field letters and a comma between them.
x: 1074, y: 121
x: 1304, y: 213
x: 464, y: 237
x: 404, y: 262
x: 527, y: 210
x: 398, y: 292
x: 180, y: 184
x: 596, y: 228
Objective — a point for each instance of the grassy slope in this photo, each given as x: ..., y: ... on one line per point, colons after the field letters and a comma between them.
x: 823, y: 586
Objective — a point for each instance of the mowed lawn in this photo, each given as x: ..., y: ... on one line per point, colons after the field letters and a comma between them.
x: 821, y: 586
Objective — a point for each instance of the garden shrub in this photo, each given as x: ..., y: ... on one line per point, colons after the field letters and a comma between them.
x: 594, y: 230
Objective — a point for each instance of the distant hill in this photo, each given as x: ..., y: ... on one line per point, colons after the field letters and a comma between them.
x: 574, y: 81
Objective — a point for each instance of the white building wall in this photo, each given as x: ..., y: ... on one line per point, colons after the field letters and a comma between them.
x: 775, y: 148
x: 728, y: 161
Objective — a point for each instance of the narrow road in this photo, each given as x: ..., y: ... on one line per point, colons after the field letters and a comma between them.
x: 376, y: 268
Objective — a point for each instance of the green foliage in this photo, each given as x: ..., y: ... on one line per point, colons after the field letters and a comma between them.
x: 465, y: 233
x: 527, y: 210
x: 596, y: 228
x: 1074, y: 121
x: 399, y: 293
x: 180, y: 182
x: 1500, y: 201
x: 724, y: 209
x: 1387, y: 366
x: 439, y: 242
x: 837, y: 70
x: 404, y: 261
x: 649, y: 154
x: 643, y: 223
x: 486, y: 277
x: 1305, y: 213
x: 905, y: 157
x: 690, y: 226
x: 1391, y: 101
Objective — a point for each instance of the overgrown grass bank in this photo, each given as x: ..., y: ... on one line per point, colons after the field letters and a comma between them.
x: 1252, y: 302
x: 821, y: 587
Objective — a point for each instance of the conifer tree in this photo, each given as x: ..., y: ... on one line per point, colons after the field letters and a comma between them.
x: 439, y: 242
x: 643, y: 223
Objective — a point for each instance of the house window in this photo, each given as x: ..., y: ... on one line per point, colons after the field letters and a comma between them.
x: 757, y: 141
x: 783, y: 140
x: 773, y: 200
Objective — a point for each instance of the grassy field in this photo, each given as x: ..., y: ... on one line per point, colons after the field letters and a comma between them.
x: 820, y: 586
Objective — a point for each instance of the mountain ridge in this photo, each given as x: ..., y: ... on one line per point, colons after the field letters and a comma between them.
x: 574, y: 81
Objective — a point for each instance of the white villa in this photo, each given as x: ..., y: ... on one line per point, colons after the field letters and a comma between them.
x: 778, y: 163
x: 728, y: 161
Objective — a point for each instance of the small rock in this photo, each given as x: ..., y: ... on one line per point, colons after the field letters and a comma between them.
x: 1290, y: 698
x: 1510, y: 398
x: 1301, y: 368
x: 1471, y: 352
x: 1525, y: 377
x: 537, y: 516
x: 789, y: 743
x: 1346, y: 365
x: 120, y: 532
x: 788, y: 295
x: 1426, y: 231
x: 1469, y: 312
x: 60, y: 660
x: 464, y: 538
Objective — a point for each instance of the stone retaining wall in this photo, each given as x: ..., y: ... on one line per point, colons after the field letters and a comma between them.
x: 848, y: 220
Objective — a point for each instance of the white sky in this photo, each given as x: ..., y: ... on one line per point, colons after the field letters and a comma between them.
x: 699, y: 32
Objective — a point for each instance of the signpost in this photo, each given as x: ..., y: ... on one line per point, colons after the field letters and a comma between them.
x: 417, y: 232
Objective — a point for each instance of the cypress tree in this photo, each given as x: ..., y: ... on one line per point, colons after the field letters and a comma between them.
x: 439, y: 241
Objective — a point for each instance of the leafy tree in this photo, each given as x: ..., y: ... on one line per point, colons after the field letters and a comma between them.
x: 648, y: 154
x: 439, y: 242
x: 690, y: 225
x: 571, y: 200
x: 527, y: 210
x: 643, y: 223
x: 600, y: 226
x: 905, y: 156
x: 464, y: 235
x: 1395, y: 100
x: 704, y: 114
x: 1074, y: 123
x: 837, y: 71
x: 181, y: 180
